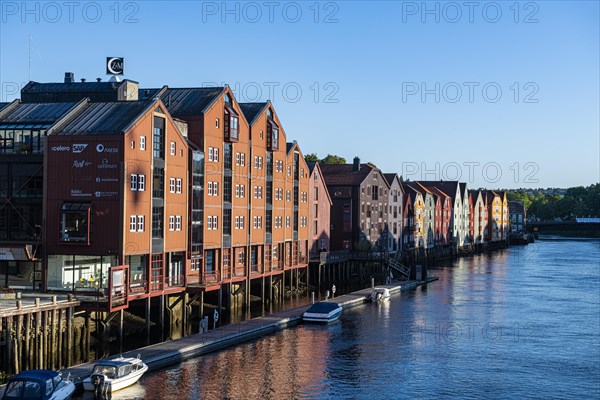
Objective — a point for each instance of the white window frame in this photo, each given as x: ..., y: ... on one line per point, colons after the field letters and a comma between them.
x: 178, y: 185
x: 171, y: 223
x: 178, y: 222
x: 133, y: 184
x: 140, y: 223
x: 141, y: 182
x: 143, y: 143
x: 171, y: 185
x: 173, y: 148
x: 211, y: 153
x: 132, y: 223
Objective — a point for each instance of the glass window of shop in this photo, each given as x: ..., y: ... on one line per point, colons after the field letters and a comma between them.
x: 22, y: 141
x: 137, y: 268
x: 81, y: 273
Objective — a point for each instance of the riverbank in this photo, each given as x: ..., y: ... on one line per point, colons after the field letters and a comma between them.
x: 167, y: 353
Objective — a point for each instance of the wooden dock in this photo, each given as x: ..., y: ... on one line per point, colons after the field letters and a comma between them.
x: 171, y: 352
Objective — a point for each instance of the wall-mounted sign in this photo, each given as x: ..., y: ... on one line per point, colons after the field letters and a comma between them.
x: 78, y: 148
x: 115, y: 65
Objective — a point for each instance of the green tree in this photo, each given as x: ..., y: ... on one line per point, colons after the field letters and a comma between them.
x: 333, y: 159
x: 311, y: 157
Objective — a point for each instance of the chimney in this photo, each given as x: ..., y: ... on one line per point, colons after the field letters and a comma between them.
x: 356, y: 164
x: 69, y: 77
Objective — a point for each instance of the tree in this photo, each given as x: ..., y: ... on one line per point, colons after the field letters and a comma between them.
x: 311, y: 157
x: 333, y: 159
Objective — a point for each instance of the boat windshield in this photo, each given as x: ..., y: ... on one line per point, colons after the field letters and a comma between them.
x: 107, y: 370
x: 23, y: 390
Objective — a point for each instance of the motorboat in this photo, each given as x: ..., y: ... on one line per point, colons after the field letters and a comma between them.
x: 380, y: 294
x: 322, y: 311
x: 39, y: 384
x: 115, y: 374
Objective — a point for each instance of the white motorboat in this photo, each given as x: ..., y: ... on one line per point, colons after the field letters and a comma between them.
x: 39, y: 384
x: 380, y: 294
x: 322, y: 311
x: 111, y: 375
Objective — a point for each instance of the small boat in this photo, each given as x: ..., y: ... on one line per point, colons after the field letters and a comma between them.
x: 322, y: 311
x: 38, y: 384
x: 379, y: 294
x: 111, y: 375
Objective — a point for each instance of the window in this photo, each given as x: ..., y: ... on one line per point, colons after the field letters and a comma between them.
x: 141, y: 182
x: 173, y: 148
x: 143, y: 143
x: 158, y: 144
x: 279, y: 166
x: 215, y: 188
x: 375, y: 192
x: 303, y: 197
x: 133, y: 184
x: 288, y: 195
x: 278, y: 222
x: 209, y: 222
x: 217, y: 123
x: 316, y: 193
x: 230, y: 123
x: 287, y: 222
x: 178, y: 222
x: 171, y: 222
x: 140, y: 221
x: 240, y: 191
x: 303, y: 222
x: 241, y: 257
x: 289, y: 170
x: 178, y: 185
x: 132, y: 223
x: 258, y: 190
x: 172, y: 185
x: 216, y: 155
x: 258, y: 162
x: 239, y: 222
x: 302, y: 173
x: 133, y: 144
x: 157, y: 222
x: 211, y: 154
x: 272, y: 134
x: 257, y: 222
x: 240, y: 159
x: 75, y: 226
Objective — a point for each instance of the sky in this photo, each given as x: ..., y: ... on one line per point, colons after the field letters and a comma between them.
x: 495, y: 94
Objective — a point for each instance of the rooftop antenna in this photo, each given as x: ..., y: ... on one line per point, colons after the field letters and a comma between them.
x: 29, y: 70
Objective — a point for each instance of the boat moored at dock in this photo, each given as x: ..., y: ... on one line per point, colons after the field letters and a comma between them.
x: 39, y: 384
x: 115, y: 374
x: 322, y: 311
x: 380, y: 294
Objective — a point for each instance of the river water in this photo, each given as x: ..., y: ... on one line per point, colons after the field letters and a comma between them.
x: 521, y: 323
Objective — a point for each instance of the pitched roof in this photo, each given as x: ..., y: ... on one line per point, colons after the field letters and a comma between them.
x: 40, y: 115
x: 190, y: 101
x: 103, y: 118
x: 389, y: 177
x: 411, y: 189
x: 252, y: 110
x: 343, y: 174
x: 448, y: 187
x: 2, y: 105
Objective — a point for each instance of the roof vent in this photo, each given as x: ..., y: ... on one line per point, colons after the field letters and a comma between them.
x: 98, y: 79
x: 82, y: 80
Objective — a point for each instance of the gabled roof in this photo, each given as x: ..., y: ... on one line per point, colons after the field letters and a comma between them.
x: 315, y: 165
x: 2, y: 105
x: 103, y: 118
x: 437, y: 192
x: 190, y: 101
x: 411, y: 189
x: 463, y: 187
x: 390, y: 176
x: 448, y: 187
x: 343, y: 174
x: 289, y: 146
x: 39, y: 115
x: 252, y: 110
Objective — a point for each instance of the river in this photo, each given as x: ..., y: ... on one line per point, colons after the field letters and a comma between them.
x: 521, y: 323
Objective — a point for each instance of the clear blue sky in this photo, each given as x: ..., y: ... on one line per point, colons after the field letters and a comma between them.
x: 410, y: 86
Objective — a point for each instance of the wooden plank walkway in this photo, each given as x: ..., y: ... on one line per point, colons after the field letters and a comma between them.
x: 171, y: 352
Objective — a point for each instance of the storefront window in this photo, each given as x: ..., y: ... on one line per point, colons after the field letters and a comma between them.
x: 82, y: 273
x: 75, y: 223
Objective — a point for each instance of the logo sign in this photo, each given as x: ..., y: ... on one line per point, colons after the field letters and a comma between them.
x: 115, y: 65
x: 105, y: 165
x: 78, y: 148
x: 81, y: 164
x: 100, y: 148
x: 60, y: 148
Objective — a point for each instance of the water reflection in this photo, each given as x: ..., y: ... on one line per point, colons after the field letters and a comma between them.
x: 520, y: 324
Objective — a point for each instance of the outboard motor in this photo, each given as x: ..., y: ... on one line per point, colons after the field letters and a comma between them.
x: 102, y: 388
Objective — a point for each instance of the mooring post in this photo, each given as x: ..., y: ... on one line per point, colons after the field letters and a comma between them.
x: 312, y: 297
x: 372, y: 282
x: 148, y: 318
x: 121, y: 331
